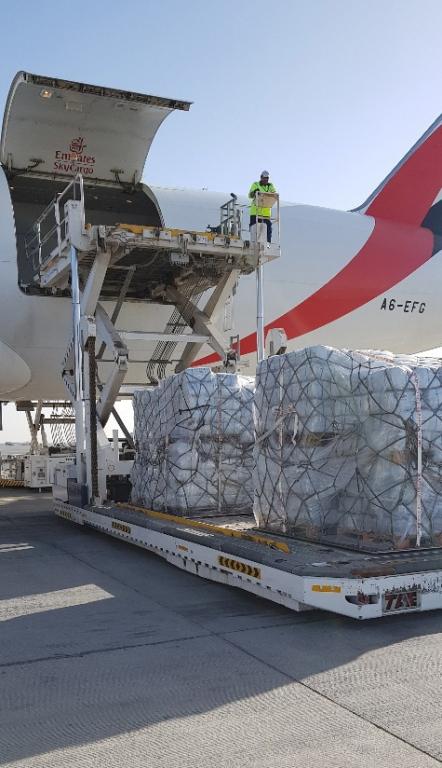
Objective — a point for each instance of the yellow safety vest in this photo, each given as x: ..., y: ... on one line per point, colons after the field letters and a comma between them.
x: 265, y: 213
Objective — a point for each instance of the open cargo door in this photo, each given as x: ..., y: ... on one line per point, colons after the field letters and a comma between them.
x: 60, y: 127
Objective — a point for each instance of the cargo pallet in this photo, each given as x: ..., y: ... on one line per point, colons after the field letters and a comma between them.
x: 296, y: 574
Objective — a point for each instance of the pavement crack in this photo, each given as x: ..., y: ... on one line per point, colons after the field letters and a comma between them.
x: 97, y: 651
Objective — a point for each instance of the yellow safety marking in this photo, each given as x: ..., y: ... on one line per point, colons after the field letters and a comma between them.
x: 239, y: 567
x: 272, y: 543
x: 325, y: 588
x: 138, y: 229
x: 182, y: 548
x: 121, y: 527
x: 9, y: 483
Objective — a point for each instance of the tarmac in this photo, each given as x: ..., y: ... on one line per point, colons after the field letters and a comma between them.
x: 111, y: 657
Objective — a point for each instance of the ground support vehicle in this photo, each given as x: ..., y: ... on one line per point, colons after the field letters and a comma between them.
x: 294, y: 573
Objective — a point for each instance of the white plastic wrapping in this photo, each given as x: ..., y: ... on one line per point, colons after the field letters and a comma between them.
x: 194, y: 438
x: 349, y: 447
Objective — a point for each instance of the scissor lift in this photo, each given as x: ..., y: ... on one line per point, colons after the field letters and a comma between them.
x: 122, y: 262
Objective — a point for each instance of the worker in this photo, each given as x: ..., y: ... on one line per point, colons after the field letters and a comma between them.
x: 263, y: 214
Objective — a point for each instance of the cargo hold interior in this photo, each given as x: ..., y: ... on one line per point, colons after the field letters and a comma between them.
x: 104, y: 204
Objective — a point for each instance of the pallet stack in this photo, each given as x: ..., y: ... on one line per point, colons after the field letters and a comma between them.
x: 194, y: 438
x: 349, y: 448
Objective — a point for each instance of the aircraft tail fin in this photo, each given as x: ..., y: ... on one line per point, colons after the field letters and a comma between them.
x: 411, y: 193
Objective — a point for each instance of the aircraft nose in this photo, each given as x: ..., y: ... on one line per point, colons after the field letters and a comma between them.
x: 14, y: 372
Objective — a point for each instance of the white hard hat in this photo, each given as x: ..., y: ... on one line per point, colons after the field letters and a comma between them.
x: 265, y: 173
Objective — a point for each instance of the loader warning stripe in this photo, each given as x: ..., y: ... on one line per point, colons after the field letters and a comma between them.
x: 121, y: 527
x: 239, y: 567
x: 7, y: 483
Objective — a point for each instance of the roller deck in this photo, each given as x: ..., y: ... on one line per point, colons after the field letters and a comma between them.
x: 297, y: 574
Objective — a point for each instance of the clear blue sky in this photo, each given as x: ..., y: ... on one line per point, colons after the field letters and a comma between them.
x: 326, y: 94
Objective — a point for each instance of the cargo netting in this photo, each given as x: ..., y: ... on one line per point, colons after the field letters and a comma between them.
x: 349, y: 448
x: 194, y: 444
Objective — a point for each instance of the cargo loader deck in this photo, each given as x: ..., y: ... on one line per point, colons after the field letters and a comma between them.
x: 294, y: 573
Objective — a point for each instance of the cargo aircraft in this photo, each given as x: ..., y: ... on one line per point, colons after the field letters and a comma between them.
x: 366, y: 278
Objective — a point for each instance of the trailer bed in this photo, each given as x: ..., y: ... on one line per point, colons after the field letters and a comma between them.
x: 295, y: 573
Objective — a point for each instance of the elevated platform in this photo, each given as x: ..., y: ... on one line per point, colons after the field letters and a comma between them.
x: 158, y: 258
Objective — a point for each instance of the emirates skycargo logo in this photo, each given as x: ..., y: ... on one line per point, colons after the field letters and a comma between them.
x: 77, y: 145
x: 75, y: 160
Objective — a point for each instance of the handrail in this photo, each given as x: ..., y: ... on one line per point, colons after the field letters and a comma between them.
x: 49, y: 230
x: 231, y: 217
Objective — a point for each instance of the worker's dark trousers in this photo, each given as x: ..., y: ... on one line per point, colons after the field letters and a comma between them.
x: 266, y: 221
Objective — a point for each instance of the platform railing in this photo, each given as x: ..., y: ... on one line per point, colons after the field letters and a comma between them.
x: 231, y: 217
x: 49, y: 232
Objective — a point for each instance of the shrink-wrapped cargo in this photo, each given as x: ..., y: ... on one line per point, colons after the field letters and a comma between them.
x: 349, y: 447
x: 194, y: 438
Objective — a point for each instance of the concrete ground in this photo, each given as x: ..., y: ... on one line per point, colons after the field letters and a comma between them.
x: 110, y: 657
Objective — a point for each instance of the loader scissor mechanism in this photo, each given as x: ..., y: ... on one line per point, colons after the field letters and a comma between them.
x: 119, y: 263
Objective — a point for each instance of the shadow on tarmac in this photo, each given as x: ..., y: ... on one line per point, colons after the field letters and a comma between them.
x: 157, y: 645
